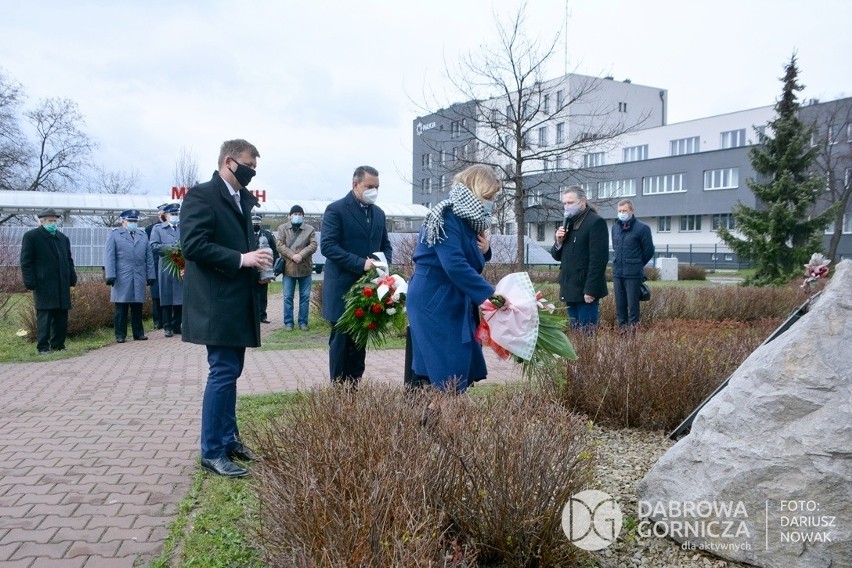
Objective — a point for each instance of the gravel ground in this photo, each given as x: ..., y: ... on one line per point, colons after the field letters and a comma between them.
x: 624, y: 457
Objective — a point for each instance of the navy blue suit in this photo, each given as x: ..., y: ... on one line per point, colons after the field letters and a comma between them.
x: 633, y: 247
x: 350, y: 234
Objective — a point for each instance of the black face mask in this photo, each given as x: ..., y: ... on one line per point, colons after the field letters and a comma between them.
x: 243, y: 174
x: 256, y: 228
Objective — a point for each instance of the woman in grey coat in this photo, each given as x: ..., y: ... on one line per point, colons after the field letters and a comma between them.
x: 171, y: 288
x: 129, y: 268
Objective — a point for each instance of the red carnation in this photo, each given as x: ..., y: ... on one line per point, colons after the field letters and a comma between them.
x: 368, y: 291
x: 377, y: 308
x: 359, y: 313
x: 372, y: 326
x: 389, y: 300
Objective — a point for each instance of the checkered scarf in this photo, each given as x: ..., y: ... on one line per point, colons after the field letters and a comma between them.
x: 464, y: 204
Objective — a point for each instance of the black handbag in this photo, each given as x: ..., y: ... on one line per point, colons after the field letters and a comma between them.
x: 644, y: 292
x: 279, y: 266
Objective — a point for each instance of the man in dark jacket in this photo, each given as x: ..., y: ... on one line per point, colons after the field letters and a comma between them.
x: 634, y: 247
x: 259, y: 231
x: 48, y: 271
x: 221, y: 307
x: 582, y: 247
x: 352, y: 230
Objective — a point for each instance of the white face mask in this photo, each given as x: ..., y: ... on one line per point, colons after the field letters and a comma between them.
x: 174, y: 219
x: 369, y: 196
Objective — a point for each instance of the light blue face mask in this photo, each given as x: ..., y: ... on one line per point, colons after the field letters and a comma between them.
x: 623, y: 217
x: 488, y: 206
x: 132, y: 227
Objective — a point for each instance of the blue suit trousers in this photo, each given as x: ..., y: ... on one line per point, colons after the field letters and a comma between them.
x: 219, y: 431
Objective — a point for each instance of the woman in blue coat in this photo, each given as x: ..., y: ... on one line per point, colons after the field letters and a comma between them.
x: 447, y: 287
x: 128, y: 267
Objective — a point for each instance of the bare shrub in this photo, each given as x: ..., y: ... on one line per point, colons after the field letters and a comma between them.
x: 403, y: 254
x: 353, y: 479
x: 91, y: 309
x: 655, y: 377
x: 687, y: 272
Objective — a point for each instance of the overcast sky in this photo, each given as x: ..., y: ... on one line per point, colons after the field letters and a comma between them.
x: 322, y: 87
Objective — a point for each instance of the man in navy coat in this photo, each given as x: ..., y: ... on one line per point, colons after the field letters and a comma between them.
x: 129, y: 268
x: 633, y: 247
x: 353, y: 228
x: 221, y: 307
x: 48, y: 271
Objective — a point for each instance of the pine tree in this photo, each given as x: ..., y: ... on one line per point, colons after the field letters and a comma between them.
x: 779, y: 236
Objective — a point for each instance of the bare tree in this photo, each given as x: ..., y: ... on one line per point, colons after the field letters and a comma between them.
x: 61, y: 146
x: 507, y: 118
x: 13, y: 146
x: 186, y: 169
x: 834, y: 161
x: 113, y: 183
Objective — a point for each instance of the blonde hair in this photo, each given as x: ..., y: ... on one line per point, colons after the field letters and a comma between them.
x: 480, y: 180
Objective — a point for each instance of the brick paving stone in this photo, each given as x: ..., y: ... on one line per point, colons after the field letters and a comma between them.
x: 111, y: 561
x: 87, y: 549
x: 41, y: 550
x: 6, y: 550
x: 59, y: 563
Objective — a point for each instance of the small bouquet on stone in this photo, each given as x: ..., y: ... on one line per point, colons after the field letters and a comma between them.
x: 518, y: 322
x: 815, y: 269
x: 173, y: 261
x: 374, y: 307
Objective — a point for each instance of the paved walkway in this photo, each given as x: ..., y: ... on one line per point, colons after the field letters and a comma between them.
x: 97, y: 451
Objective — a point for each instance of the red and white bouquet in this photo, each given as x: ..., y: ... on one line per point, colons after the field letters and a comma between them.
x: 173, y: 260
x: 374, y: 307
x: 517, y: 321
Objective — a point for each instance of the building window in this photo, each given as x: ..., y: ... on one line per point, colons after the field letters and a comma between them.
x: 494, y: 116
x: 831, y: 139
x: 664, y: 224
x: 733, y: 138
x: 560, y: 133
x: 542, y: 136
x: 510, y: 114
x: 622, y: 107
x: 560, y: 99
x: 464, y: 124
x: 670, y: 183
x: 510, y: 228
x: 454, y: 130
x: 849, y: 133
x: 616, y: 188
x: 725, y: 178
x: 455, y: 153
x: 586, y: 187
x: 636, y: 153
x: 443, y: 186
x: 539, y: 232
x: 443, y: 157
x: 534, y: 198
x: 423, y: 186
x: 847, y: 225
x: 690, y: 223
x: 685, y: 146
x: 545, y: 164
x: 547, y: 103
x: 593, y: 159
x: 723, y: 220
x: 560, y: 162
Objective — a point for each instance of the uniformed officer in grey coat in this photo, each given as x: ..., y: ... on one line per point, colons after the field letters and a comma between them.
x: 171, y: 288
x: 129, y: 268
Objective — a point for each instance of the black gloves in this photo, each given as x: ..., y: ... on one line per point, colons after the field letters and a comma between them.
x: 110, y: 281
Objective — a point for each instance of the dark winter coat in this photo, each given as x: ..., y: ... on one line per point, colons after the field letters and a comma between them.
x: 583, y: 258
x: 442, y: 303
x: 633, y: 247
x: 128, y: 260
x: 221, y: 301
x: 48, y: 268
x: 346, y: 242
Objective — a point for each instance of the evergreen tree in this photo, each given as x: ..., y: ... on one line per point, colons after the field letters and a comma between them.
x: 779, y: 236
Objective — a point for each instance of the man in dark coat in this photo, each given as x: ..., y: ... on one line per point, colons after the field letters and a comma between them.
x: 221, y: 306
x: 352, y: 230
x: 633, y: 247
x: 128, y: 267
x: 259, y: 231
x: 582, y: 247
x: 48, y: 271
x: 156, y: 312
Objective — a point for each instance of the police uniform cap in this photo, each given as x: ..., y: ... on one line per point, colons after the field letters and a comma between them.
x: 256, y: 218
x: 171, y: 208
x: 130, y: 215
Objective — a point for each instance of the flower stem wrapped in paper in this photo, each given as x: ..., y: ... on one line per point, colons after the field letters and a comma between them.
x: 518, y: 322
x: 173, y: 261
x: 374, y: 307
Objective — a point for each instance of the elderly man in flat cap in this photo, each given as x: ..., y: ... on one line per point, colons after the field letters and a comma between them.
x: 48, y: 271
x: 129, y: 268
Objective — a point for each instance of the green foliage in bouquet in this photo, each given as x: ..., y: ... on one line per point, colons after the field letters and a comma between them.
x: 373, y: 309
x: 173, y: 261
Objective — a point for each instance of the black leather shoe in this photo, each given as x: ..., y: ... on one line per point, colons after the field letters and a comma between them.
x: 265, y: 321
x: 242, y: 453
x: 223, y: 466
x: 143, y: 338
x: 168, y: 333
x: 119, y: 340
